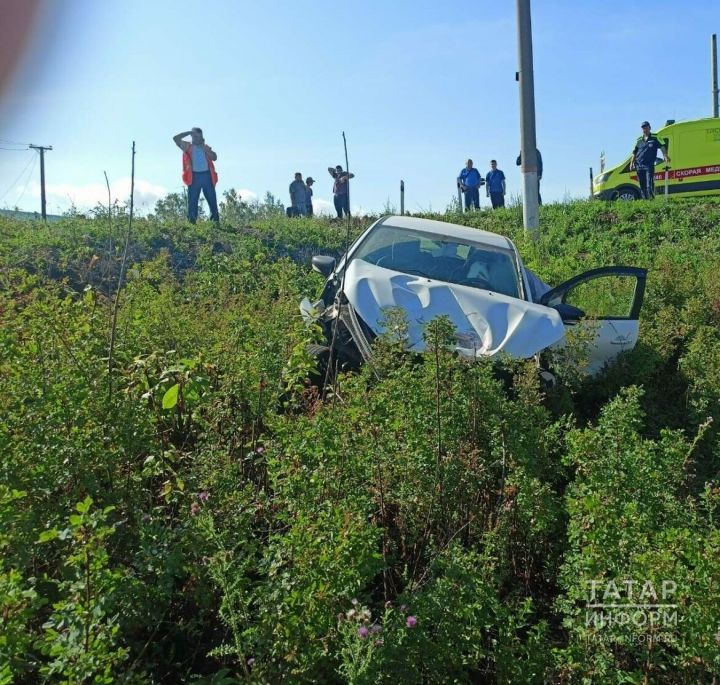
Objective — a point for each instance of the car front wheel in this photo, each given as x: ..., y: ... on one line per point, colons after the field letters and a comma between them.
x: 321, y: 353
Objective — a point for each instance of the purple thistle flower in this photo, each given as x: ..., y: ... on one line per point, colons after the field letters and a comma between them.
x: 379, y: 642
x: 375, y: 628
x: 251, y: 662
x: 260, y: 450
x: 411, y: 622
x: 363, y: 632
x: 203, y: 496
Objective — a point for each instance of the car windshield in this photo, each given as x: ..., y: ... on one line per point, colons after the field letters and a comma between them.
x: 441, y: 258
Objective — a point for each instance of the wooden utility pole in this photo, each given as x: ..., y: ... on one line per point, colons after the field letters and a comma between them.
x: 347, y: 170
x: 402, y: 198
x: 43, y: 202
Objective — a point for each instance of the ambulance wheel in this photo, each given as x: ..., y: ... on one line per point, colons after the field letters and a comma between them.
x: 627, y: 194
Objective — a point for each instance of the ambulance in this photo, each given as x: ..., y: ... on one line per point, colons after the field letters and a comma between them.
x: 694, y: 169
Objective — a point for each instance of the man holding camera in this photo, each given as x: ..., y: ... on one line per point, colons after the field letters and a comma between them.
x: 341, y: 190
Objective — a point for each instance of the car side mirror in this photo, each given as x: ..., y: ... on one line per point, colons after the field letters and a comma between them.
x: 323, y: 264
x: 568, y: 312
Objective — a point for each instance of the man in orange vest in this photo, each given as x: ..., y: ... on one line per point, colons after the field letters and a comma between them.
x: 198, y: 172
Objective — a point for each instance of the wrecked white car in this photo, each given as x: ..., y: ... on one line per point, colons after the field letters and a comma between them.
x: 477, y: 279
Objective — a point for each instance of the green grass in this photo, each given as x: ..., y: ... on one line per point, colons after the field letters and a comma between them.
x: 190, y: 511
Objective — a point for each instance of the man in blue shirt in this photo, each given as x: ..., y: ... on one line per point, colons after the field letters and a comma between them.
x: 298, y: 196
x: 643, y: 160
x: 469, y: 181
x: 495, y: 185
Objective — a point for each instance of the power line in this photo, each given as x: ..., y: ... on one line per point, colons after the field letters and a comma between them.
x: 13, y: 142
x: 15, y: 149
x: 22, y: 173
x: 27, y: 183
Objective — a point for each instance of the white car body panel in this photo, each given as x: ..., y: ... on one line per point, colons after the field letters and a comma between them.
x: 487, y: 323
x: 611, y: 337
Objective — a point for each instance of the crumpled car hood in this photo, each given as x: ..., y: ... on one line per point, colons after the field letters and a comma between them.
x: 486, y: 322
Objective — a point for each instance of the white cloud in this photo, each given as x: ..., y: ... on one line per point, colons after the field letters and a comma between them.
x: 247, y: 195
x: 327, y: 208
x: 89, y: 195
x: 321, y: 206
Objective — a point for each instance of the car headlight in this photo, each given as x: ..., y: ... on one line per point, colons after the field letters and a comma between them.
x: 311, y: 312
x: 601, y: 179
x: 469, y: 340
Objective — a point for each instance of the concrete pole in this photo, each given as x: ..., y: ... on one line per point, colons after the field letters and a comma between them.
x: 591, y: 183
x: 402, y: 198
x: 713, y: 52
x: 528, y: 144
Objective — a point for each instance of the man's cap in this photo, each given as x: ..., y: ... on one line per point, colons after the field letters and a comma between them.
x: 309, y: 179
x: 644, y: 124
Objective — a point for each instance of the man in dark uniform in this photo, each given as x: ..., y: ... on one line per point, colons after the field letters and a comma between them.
x: 308, y: 194
x: 643, y: 160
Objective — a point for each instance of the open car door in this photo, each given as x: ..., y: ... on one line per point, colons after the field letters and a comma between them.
x: 606, y: 301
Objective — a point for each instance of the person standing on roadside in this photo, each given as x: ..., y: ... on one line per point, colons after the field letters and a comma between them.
x: 495, y: 185
x: 518, y: 162
x: 309, y: 194
x: 341, y: 190
x: 469, y: 181
x: 198, y: 172
x: 643, y: 160
x: 298, y: 195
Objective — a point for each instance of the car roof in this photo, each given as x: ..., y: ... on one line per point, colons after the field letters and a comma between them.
x: 451, y: 230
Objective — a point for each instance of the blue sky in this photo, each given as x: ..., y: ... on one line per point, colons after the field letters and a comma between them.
x: 418, y: 87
